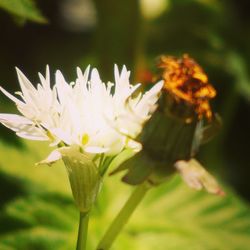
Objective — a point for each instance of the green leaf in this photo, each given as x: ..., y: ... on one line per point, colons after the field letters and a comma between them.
x: 37, y: 211
x: 25, y: 9
x: 116, y: 163
x: 184, y: 219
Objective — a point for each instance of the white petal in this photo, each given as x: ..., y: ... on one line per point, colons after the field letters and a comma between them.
x: 95, y: 81
x: 147, y: 103
x: 23, y: 127
x: 24, y: 81
x: 125, y: 73
x: 52, y: 158
x: 15, y: 120
x: 47, y: 75
x: 27, y: 88
x: 117, y: 75
x: 45, y: 81
x: 136, y: 146
x: 62, y: 135
x: 64, y: 90
x: 83, y: 77
x: 33, y: 134
x: 11, y: 97
x: 122, y: 86
x: 134, y: 88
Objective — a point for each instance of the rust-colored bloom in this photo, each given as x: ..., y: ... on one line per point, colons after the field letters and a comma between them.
x: 182, y: 123
x: 186, y: 81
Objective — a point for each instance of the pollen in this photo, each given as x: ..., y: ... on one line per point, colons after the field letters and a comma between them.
x: 85, y: 139
x: 186, y: 81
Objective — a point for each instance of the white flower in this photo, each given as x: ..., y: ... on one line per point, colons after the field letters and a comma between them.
x: 38, y: 107
x: 87, y: 114
x: 89, y: 121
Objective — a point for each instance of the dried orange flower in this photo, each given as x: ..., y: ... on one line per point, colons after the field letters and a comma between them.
x: 185, y: 80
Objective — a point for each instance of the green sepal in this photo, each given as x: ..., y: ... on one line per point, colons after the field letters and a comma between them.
x: 117, y: 163
x: 166, y: 138
x: 84, y: 178
x: 140, y: 167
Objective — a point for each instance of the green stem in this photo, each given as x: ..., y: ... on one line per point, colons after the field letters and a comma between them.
x: 82, y: 231
x: 123, y: 217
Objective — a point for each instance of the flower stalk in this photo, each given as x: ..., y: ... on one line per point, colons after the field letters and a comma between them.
x: 123, y: 216
x: 82, y: 231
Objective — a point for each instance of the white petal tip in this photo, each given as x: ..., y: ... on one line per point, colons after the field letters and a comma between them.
x: 134, y: 145
x: 19, y: 72
x: 158, y: 86
x: 160, y: 83
x: 52, y: 158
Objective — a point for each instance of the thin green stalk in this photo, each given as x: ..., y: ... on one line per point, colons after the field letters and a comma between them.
x: 123, y: 216
x: 82, y: 231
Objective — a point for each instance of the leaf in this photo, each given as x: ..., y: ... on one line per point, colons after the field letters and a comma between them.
x: 184, y: 219
x: 37, y: 211
x: 25, y: 9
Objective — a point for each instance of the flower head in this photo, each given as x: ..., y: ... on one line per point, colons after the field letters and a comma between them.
x: 97, y: 117
x: 172, y: 138
x: 186, y: 81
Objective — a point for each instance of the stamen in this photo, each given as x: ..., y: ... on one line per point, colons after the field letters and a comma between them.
x: 85, y: 139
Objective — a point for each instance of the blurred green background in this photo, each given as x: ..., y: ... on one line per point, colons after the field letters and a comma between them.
x: 36, y: 208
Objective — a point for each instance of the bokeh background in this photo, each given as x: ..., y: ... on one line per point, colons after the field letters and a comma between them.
x: 36, y: 208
